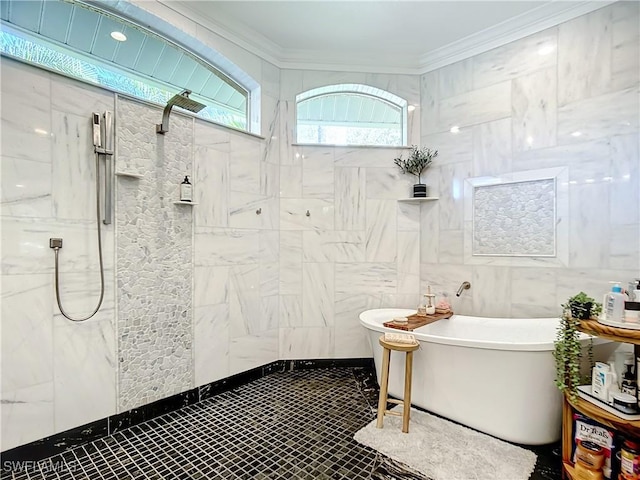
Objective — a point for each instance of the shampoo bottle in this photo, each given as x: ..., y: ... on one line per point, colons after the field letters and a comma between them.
x: 186, y: 190
x: 613, y: 304
x: 629, y: 384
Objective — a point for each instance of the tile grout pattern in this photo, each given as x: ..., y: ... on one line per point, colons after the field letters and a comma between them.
x: 288, y: 425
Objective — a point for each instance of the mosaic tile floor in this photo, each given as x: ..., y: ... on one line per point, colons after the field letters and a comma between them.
x: 291, y: 425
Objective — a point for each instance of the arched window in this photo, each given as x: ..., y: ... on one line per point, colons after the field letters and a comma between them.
x: 351, y: 114
x: 99, y: 47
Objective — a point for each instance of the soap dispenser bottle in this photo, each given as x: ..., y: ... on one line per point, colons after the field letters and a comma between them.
x: 613, y: 304
x: 629, y: 384
x: 186, y: 190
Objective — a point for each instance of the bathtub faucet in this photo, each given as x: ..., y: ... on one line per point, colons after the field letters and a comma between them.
x: 463, y: 286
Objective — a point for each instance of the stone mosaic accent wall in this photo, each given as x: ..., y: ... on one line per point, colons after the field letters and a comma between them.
x: 515, y: 219
x: 154, y: 257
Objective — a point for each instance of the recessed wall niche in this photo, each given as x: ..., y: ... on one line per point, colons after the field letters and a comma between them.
x: 517, y: 219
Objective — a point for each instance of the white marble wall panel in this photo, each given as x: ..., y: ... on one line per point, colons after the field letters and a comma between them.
x: 562, y: 155
x: 318, y: 246
x: 290, y: 181
x: 350, y: 198
x: 451, y: 194
x: 317, y: 294
x: 366, y: 278
x: 589, y: 214
x: 269, y: 179
x: 451, y: 246
x: 584, y: 56
x: 486, y: 282
x: 290, y: 263
x: 534, y: 110
x: 207, y: 135
x: 269, y: 279
x: 492, y: 148
x: 211, y: 180
x: 250, y: 210
x: 430, y: 232
x: 26, y: 188
x: 211, y: 285
x: 408, y: 262
x: 623, y: 246
x: 269, y: 246
x: 73, y: 164
x: 211, y: 343
x: 477, y: 106
x: 289, y: 154
x: 217, y: 246
x: 252, y: 351
x: 27, y: 340
x: 408, y: 217
x: 244, y: 165
x: 244, y: 300
x: 389, y: 183
x: 455, y: 79
x: 290, y: 311
x: 306, y: 343
x: 451, y: 147
x: 534, y: 286
x: 369, y: 157
x: 349, y: 246
x: 625, y: 180
x: 77, y: 98
x: 381, y: 231
x: 317, y: 173
x: 27, y: 415
x: 430, y: 102
x: 85, y: 371
x: 26, y: 93
x: 625, y: 57
x: 293, y: 214
x: 515, y: 59
x: 607, y: 115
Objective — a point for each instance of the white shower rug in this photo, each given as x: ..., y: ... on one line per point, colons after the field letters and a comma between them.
x: 443, y: 450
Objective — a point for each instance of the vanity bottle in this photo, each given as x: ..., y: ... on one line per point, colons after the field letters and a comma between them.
x: 613, y: 304
x: 629, y: 384
x: 186, y: 190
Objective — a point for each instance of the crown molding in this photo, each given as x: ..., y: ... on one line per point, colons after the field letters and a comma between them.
x: 534, y: 21
x: 546, y: 16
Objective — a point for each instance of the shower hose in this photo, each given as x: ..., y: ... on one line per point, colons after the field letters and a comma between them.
x: 57, y: 281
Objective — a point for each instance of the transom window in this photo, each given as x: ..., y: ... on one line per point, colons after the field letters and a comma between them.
x: 351, y: 114
x: 98, y: 47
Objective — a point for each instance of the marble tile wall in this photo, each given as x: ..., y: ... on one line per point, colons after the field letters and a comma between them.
x: 55, y: 374
x: 575, y: 107
x: 358, y: 247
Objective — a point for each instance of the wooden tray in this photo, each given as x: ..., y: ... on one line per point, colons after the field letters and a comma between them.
x: 416, y: 321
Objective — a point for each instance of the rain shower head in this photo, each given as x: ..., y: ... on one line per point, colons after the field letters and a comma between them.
x: 181, y: 100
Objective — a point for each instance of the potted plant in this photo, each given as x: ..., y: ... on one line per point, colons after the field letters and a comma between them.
x: 567, y: 346
x: 418, y: 161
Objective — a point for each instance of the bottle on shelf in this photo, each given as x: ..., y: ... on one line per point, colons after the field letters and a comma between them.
x: 613, y: 304
x: 186, y: 190
x: 629, y: 384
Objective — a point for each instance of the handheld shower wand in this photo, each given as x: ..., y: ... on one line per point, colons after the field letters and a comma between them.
x: 102, y: 133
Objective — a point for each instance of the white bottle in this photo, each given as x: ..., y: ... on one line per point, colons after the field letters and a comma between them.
x: 186, y: 190
x: 613, y: 304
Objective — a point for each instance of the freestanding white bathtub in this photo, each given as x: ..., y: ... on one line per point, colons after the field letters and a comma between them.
x: 495, y: 375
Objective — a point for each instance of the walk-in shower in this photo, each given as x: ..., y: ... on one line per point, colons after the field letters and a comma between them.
x: 102, y: 130
x: 181, y: 100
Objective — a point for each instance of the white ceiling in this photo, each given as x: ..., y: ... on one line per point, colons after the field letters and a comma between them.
x: 399, y: 36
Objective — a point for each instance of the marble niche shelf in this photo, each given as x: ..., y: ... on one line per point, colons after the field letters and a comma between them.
x: 417, y: 199
x: 180, y: 202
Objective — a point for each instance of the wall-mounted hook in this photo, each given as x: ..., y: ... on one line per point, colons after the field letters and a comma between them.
x: 308, y: 214
x: 259, y: 211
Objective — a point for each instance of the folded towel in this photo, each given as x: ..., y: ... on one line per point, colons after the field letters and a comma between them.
x: 400, y: 338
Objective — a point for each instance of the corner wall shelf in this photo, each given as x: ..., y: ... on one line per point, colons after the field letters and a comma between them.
x: 129, y: 175
x: 417, y: 199
x: 184, y: 203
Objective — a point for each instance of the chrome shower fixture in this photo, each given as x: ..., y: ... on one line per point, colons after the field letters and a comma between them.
x: 181, y: 100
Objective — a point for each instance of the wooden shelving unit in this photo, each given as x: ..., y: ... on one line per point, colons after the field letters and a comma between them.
x: 593, y: 327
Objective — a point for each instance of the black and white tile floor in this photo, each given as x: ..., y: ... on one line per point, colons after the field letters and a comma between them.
x: 296, y: 425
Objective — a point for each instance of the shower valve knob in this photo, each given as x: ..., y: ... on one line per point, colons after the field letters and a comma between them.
x: 55, y: 243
